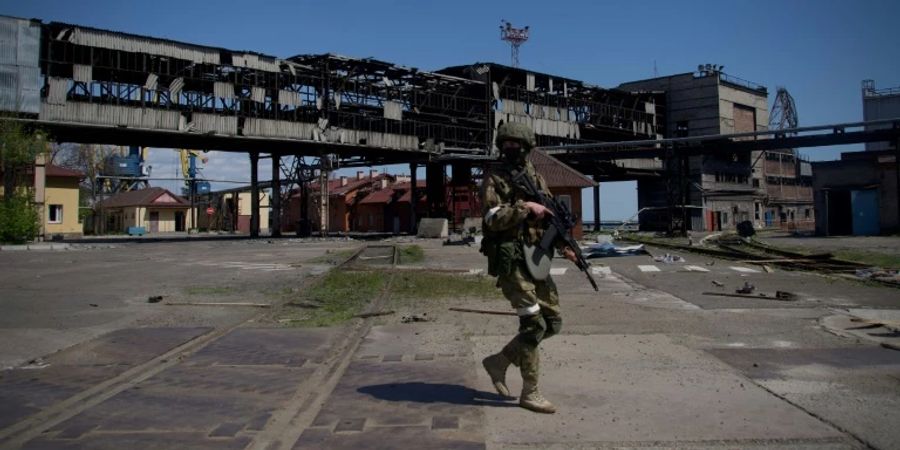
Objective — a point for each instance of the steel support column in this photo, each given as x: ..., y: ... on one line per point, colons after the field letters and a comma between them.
x: 669, y: 162
x: 275, y: 200
x: 435, y: 188
x: 413, y: 196
x: 684, y: 188
x: 597, y: 205
x: 897, y: 173
x: 254, y: 195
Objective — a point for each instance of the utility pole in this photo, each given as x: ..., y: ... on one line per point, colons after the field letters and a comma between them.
x: 254, y: 195
x: 323, y: 201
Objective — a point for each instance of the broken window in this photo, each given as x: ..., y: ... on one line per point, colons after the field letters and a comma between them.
x: 56, y: 214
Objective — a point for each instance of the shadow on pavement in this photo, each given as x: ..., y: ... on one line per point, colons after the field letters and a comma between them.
x: 434, y: 393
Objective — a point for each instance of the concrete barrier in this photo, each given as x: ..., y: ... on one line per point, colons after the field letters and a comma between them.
x: 433, y: 228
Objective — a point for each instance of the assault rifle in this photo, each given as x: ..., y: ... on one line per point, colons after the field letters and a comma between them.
x: 560, y: 225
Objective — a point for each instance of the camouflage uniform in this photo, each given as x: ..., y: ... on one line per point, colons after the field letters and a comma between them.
x: 506, y: 227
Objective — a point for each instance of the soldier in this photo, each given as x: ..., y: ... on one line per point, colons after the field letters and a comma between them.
x: 510, y: 221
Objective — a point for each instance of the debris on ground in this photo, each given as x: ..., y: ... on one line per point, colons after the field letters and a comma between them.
x: 779, y: 296
x: 37, y: 363
x: 253, y: 305
x: 747, y: 288
x: 669, y: 259
x: 416, y: 318
x: 484, y: 311
x: 373, y: 314
x: 605, y: 249
x: 305, y: 305
x: 890, y: 345
x: 768, y: 269
x: 154, y: 299
x: 879, y: 274
x: 718, y: 283
x: 785, y: 295
x: 730, y: 245
x: 875, y: 323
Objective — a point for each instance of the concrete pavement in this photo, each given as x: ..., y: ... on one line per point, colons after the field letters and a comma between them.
x: 649, y: 362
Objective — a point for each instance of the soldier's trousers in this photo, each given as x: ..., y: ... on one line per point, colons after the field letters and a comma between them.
x: 523, y: 292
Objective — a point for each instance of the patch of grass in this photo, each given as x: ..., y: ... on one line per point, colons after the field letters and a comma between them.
x: 333, y: 257
x: 209, y: 290
x: 425, y: 285
x: 336, y: 298
x: 876, y: 259
x: 411, y: 254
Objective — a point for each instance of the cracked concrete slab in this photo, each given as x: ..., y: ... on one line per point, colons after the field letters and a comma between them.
x: 408, y: 386
x: 647, y: 391
x: 855, y: 388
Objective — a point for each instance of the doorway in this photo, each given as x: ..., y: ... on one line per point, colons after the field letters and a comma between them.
x: 154, y: 221
x: 179, y: 221
x: 840, y: 221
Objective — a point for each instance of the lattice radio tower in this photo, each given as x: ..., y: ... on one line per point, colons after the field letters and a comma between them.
x: 516, y: 37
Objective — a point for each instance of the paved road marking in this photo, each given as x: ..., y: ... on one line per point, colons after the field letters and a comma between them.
x: 696, y: 269
x: 558, y: 270
x: 743, y: 269
x: 648, y: 268
x: 602, y: 270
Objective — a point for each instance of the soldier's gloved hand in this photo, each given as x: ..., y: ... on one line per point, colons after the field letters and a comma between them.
x: 569, y: 254
x: 538, y: 210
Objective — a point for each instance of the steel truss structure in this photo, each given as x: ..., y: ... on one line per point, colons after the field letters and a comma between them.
x: 118, y: 88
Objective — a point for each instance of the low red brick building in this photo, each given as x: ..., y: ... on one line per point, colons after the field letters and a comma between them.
x: 343, y: 195
x: 382, y: 202
x: 565, y: 184
x: 388, y: 209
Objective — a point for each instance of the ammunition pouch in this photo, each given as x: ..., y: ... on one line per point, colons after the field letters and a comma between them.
x: 503, y: 256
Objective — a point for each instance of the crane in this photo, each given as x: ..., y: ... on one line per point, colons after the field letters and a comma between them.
x: 190, y: 171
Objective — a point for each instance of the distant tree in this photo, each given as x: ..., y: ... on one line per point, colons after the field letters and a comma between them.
x: 87, y: 159
x: 18, y: 150
x: 19, y: 216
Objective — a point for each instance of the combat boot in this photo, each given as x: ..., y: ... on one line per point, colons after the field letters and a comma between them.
x: 496, y: 366
x: 532, y: 399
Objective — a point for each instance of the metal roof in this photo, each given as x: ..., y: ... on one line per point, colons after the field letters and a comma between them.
x: 144, y: 197
x: 556, y: 173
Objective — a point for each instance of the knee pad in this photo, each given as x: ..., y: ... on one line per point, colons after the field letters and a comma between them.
x: 532, y: 329
x: 554, y: 325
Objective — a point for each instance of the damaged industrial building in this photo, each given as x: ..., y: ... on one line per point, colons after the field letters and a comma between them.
x: 312, y: 114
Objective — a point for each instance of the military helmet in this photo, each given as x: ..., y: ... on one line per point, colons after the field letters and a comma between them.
x: 519, y: 132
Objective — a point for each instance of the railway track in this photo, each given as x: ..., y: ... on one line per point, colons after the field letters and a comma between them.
x: 757, y: 253
x: 299, y: 412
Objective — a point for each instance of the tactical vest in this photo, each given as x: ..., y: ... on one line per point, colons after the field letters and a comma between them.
x: 504, y: 248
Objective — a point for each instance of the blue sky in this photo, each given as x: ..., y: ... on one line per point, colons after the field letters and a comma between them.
x: 819, y: 50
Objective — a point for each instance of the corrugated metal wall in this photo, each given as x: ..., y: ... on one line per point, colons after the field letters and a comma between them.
x: 19, y: 71
x: 544, y: 120
x: 278, y: 128
x: 111, y: 115
x: 118, y: 41
x: 289, y: 98
x: 223, y: 90
x: 205, y: 123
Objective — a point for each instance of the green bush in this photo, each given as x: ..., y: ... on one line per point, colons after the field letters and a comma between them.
x: 19, y: 219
